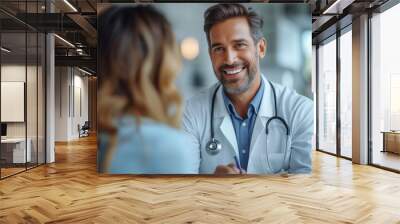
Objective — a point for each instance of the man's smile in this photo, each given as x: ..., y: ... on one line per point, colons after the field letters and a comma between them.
x: 232, y: 71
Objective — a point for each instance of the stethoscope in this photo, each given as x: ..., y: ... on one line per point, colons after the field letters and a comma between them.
x: 214, y: 146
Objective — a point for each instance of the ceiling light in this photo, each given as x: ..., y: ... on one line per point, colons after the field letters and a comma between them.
x: 84, y: 71
x: 64, y: 40
x: 5, y: 50
x: 70, y: 5
x: 338, y: 6
x: 326, y: 11
x: 79, y: 51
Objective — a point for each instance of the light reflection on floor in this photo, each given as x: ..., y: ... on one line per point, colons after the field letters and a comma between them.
x: 387, y: 159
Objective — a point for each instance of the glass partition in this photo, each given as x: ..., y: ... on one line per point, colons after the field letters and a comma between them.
x: 31, y: 100
x: 41, y: 91
x: 14, y: 153
x: 22, y: 87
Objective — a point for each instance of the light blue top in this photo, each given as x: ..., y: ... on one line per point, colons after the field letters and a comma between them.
x: 150, y: 148
x: 244, y: 125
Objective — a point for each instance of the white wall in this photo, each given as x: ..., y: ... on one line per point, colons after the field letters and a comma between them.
x: 71, y: 94
x: 61, y: 103
x: 33, y: 126
x: 13, y: 73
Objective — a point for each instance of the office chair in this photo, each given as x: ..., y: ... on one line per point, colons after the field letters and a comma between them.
x: 84, y: 130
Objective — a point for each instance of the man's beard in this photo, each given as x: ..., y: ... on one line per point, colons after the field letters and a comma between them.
x: 247, y: 82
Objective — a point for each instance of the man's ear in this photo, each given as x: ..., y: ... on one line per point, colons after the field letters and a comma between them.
x: 262, y: 47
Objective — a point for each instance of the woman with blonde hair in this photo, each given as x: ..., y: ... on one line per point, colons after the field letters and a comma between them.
x: 138, y: 104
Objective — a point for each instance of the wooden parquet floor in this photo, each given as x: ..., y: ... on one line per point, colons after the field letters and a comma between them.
x: 71, y: 191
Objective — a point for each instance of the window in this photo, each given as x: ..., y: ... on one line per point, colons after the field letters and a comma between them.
x: 327, y: 97
x: 346, y: 94
x: 385, y: 89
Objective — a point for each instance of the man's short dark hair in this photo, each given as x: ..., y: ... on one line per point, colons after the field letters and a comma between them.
x: 220, y: 12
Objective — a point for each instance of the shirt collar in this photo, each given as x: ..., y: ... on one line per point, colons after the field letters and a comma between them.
x: 254, y: 104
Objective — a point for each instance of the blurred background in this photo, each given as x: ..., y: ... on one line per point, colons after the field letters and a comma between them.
x: 287, y: 28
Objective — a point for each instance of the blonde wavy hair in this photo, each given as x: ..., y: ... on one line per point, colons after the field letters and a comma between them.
x: 139, y: 61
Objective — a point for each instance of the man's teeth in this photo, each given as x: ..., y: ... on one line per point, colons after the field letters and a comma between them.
x: 230, y: 72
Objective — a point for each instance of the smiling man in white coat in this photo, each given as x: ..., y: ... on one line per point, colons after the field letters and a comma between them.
x: 245, y: 123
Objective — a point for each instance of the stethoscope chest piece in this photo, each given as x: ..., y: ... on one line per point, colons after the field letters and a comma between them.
x: 213, y: 146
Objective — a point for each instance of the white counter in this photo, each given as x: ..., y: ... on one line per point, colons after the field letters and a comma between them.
x: 18, y: 145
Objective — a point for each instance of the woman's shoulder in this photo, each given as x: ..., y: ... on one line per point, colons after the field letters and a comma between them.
x: 150, y: 130
x: 155, y: 147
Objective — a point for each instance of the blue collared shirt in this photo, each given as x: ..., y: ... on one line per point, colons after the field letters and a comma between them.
x: 244, y: 126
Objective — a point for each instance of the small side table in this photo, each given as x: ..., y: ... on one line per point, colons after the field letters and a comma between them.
x: 391, y: 141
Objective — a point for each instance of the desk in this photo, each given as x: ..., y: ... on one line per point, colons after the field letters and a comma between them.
x: 391, y: 141
x: 13, y: 150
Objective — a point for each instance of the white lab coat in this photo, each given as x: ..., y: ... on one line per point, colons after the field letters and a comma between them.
x: 265, y: 155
